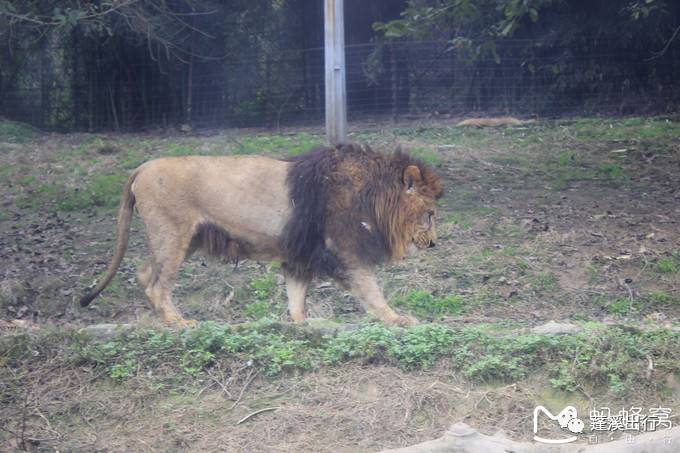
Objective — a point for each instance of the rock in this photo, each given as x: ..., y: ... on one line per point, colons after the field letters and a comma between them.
x: 461, y: 438
x: 105, y: 331
x: 553, y: 327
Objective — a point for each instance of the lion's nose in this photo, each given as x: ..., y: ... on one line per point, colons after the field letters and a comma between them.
x: 431, y: 244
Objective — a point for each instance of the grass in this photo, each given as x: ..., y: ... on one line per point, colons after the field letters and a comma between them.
x: 488, y: 266
x: 262, y: 290
x: 15, y: 132
x: 426, y: 155
x: 667, y: 266
x: 620, y: 306
x: 425, y: 304
x: 102, y: 191
x: 266, y: 144
x: 663, y: 298
x: 600, y: 357
x: 263, y: 287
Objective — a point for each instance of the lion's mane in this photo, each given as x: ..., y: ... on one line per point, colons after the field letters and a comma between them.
x: 354, y: 197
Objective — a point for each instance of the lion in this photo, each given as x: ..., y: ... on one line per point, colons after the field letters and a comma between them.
x: 334, y: 212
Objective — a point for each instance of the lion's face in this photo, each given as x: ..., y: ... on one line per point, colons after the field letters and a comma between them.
x: 425, y: 232
x: 421, y: 209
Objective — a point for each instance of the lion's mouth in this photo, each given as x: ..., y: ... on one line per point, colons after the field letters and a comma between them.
x: 423, y: 243
x: 411, y: 249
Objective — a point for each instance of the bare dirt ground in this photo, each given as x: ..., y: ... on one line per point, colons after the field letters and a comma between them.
x: 573, y: 220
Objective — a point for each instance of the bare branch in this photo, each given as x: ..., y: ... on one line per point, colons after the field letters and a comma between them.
x: 665, y: 48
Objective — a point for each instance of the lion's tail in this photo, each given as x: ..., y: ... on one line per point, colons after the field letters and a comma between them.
x: 127, y: 202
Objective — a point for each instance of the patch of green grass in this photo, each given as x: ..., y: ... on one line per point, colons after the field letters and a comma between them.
x: 510, y: 251
x: 424, y: 303
x: 623, y: 129
x: 426, y: 155
x: 611, y: 171
x: 257, y: 310
x: 178, y: 149
x: 593, y: 273
x: 15, y: 132
x: 291, y: 144
x: 620, y: 306
x: 104, y: 191
x: 600, y: 357
x: 29, y: 180
x: 667, y: 266
x: 90, y: 144
x: 458, y: 218
x: 663, y: 298
x: 487, y: 253
x: 567, y: 158
x: 132, y: 160
x: 263, y: 287
x: 544, y: 281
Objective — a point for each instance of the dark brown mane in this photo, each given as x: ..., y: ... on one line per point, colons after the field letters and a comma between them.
x: 351, y: 194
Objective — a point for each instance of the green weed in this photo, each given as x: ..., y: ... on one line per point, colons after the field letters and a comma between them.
x: 666, y: 266
x: 263, y: 287
x: 458, y: 218
x: 599, y: 357
x: 257, y: 310
x: 544, y: 281
x: 15, y: 132
x: 663, y: 298
x: 621, y: 306
x: 428, y: 156
x: 611, y: 171
x: 425, y: 303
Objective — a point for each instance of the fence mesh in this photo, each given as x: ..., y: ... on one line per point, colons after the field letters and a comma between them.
x: 75, y: 86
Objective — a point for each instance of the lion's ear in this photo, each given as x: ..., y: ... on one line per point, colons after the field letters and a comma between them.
x: 412, y: 176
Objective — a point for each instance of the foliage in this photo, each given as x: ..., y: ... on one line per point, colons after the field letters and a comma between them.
x: 495, y: 41
x: 667, y: 266
x: 71, y: 65
x: 600, y: 356
x: 15, y: 132
x: 425, y: 303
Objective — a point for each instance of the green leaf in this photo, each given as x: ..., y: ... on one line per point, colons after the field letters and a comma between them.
x: 533, y: 14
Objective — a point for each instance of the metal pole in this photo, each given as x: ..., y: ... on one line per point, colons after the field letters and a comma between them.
x: 336, y: 102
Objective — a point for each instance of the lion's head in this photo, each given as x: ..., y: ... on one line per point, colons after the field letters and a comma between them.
x: 420, y: 209
x: 357, y: 204
x: 409, y: 207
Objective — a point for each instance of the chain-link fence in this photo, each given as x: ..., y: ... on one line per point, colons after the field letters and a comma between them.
x: 76, y: 86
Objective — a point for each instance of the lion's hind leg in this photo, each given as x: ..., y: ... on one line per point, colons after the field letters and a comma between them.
x: 157, y: 276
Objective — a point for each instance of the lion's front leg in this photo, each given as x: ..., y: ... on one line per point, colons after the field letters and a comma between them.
x: 364, y: 285
x: 296, y: 288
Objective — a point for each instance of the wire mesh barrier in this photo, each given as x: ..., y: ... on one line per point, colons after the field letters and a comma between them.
x: 74, y: 87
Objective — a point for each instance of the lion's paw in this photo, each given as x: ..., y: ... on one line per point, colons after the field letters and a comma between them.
x: 404, y: 321
x: 186, y: 323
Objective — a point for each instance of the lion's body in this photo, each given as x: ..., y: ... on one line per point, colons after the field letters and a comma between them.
x: 333, y: 212
x: 181, y: 193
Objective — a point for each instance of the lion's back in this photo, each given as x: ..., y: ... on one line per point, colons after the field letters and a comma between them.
x: 246, y: 195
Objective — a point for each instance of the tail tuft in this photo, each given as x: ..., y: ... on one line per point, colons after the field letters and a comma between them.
x: 86, y: 299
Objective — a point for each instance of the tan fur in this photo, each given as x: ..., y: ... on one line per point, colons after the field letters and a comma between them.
x: 494, y: 122
x: 247, y: 198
